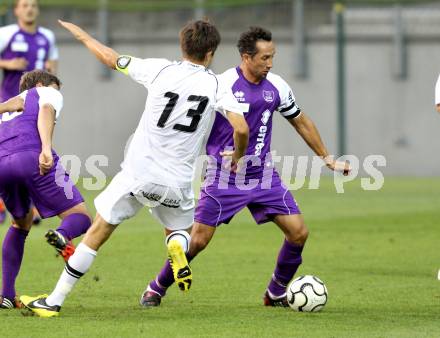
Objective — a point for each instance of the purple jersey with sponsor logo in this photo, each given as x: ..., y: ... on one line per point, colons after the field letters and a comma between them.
x: 259, y: 102
x: 19, y: 130
x: 36, y: 48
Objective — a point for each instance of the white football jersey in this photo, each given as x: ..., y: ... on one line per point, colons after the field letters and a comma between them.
x: 182, y: 96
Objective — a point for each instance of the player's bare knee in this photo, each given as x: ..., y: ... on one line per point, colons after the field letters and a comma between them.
x: 98, y: 233
x: 303, y: 234
x: 24, y: 223
x: 201, y: 235
x: 298, y: 234
x: 77, y: 209
x: 198, y: 243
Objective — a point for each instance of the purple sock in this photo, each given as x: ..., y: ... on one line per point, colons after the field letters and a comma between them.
x: 74, y: 225
x: 289, y: 259
x: 12, y: 255
x: 159, y: 289
x: 165, y: 278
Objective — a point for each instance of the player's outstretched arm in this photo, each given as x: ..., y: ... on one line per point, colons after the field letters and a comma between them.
x: 46, y: 124
x: 103, y: 53
x: 241, y: 136
x: 12, y: 105
x: 437, y: 106
x: 310, y: 134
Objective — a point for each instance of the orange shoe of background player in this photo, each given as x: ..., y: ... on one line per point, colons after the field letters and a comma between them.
x: 2, y: 211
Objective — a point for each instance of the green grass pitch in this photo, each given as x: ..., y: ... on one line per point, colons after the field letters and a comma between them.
x: 377, y: 251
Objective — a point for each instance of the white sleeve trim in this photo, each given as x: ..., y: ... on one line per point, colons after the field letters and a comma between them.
x: 288, y: 107
x: 6, y: 34
x: 23, y: 95
x: 53, y: 49
x: 226, y: 101
x: 49, y: 95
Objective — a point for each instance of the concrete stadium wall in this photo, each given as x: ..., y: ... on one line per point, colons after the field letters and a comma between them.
x: 391, y: 117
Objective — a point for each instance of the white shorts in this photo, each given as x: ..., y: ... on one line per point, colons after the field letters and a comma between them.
x: 125, y: 196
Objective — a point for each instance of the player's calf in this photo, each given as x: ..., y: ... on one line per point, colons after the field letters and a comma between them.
x: 201, y: 235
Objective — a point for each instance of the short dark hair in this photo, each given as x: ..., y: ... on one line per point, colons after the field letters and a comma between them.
x: 198, y: 38
x: 247, y: 44
x: 30, y: 79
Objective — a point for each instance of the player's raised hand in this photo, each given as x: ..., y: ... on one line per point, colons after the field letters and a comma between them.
x: 76, y: 31
x: 17, y: 64
x: 45, y: 162
x: 339, y: 166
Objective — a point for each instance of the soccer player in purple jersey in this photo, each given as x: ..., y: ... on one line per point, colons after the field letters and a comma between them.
x: 30, y: 172
x: 262, y: 94
x: 24, y: 46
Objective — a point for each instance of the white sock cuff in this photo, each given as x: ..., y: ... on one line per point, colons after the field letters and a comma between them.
x: 83, y: 247
x: 182, y: 236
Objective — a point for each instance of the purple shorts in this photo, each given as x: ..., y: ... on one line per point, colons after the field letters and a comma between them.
x: 21, y: 184
x: 217, y: 206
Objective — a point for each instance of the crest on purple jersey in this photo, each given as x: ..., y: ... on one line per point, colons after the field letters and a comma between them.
x: 41, y: 41
x: 268, y: 95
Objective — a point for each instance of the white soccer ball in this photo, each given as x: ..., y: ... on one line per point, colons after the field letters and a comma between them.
x: 307, y: 294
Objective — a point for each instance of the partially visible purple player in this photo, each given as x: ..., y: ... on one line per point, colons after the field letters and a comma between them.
x: 262, y: 94
x: 30, y: 173
x: 24, y: 46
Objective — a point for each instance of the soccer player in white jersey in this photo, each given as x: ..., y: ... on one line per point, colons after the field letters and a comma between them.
x: 159, y: 165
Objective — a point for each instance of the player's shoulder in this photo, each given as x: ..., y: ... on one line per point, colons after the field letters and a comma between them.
x: 47, y: 33
x: 212, y: 75
x: 160, y: 60
x: 9, y: 30
x: 277, y: 81
x: 49, y: 92
x: 23, y: 94
x: 229, y: 76
x: 149, y: 63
